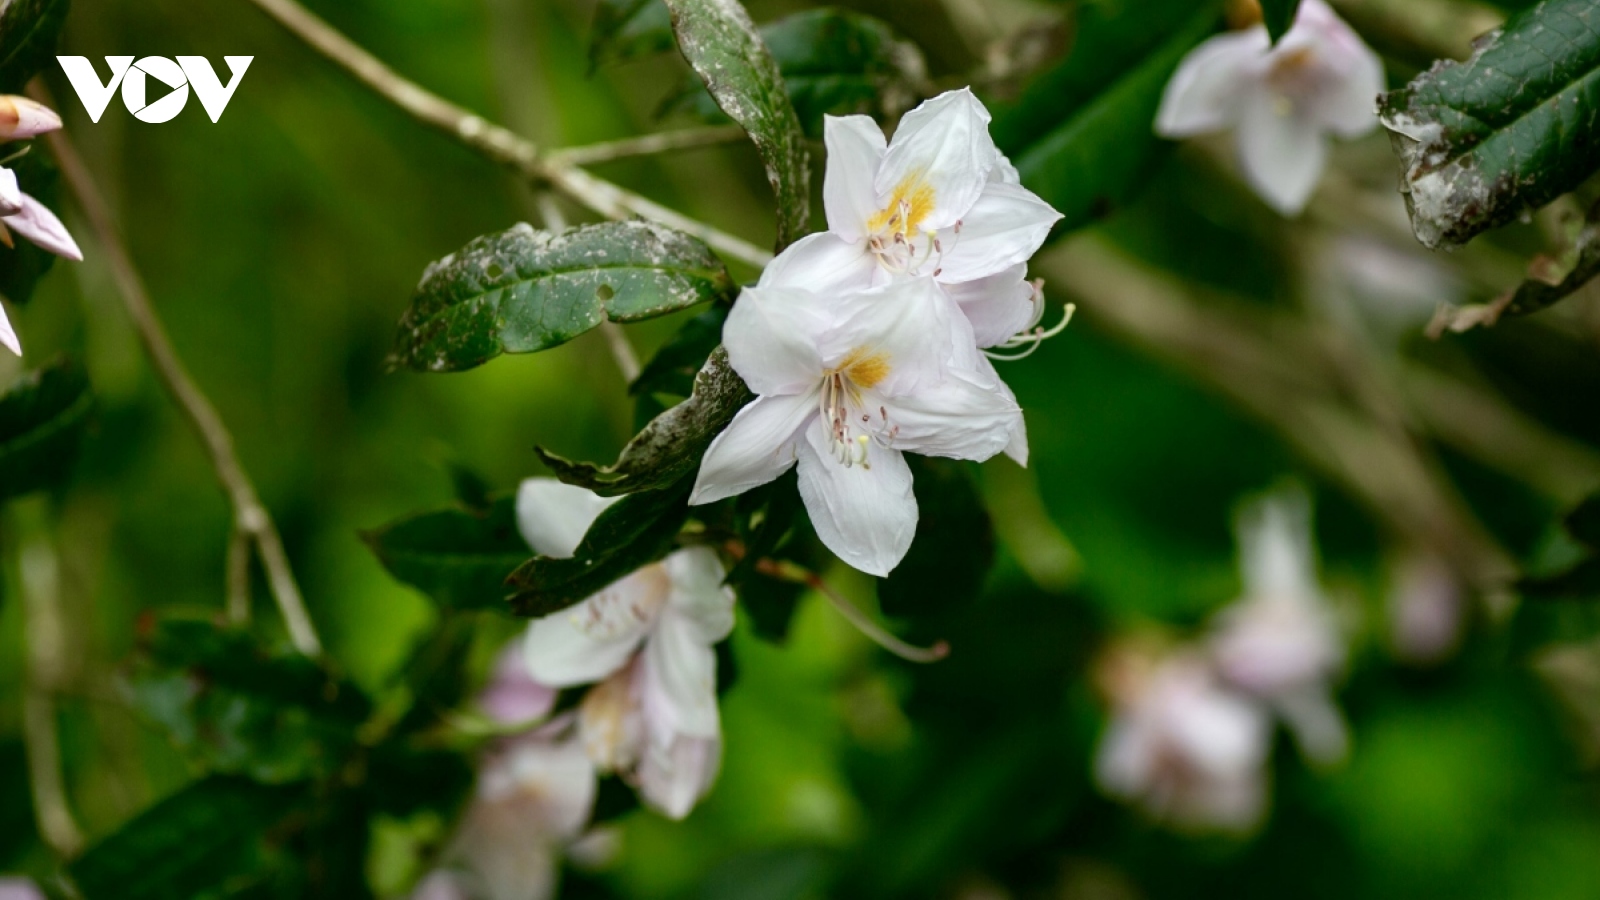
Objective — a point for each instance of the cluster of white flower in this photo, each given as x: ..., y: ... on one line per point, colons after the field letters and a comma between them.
x: 1281, y: 101
x: 22, y: 118
x: 867, y: 340
x: 1192, y: 728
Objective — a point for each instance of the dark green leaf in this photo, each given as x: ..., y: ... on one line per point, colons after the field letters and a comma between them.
x: 211, y: 832
x: 836, y: 62
x: 635, y: 531
x: 1278, y: 15
x: 953, y: 548
x: 28, y: 33
x: 458, y: 557
x: 674, y: 367
x: 1509, y: 130
x: 403, y: 780
x: 23, y: 264
x: 42, y: 420
x: 1581, y: 582
x: 237, y: 708
x: 672, y: 445
x: 1583, y: 523
x: 722, y: 46
x: 1101, y: 154
x: 520, y: 291
x: 772, y: 524
x: 626, y: 29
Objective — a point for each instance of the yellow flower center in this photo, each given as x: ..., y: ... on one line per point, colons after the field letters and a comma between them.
x: 851, y: 428
x: 911, y: 202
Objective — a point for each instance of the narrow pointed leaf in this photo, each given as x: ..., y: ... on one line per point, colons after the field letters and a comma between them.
x: 458, y: 557
x: 521, y: 291
x: 725, y: 50
x: 1512, y: 128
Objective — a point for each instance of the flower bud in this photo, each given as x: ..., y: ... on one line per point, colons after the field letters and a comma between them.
x: 24, y: 118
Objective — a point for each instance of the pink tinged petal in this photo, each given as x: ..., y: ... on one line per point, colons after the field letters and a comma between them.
x: 698, y: 595
x: 553, y: 786
x: 961, y: 418
x: 678, y: 682
x: 998, y: 306
x: 755, y: 448
x: 610, y: 725
x: 944, y: 144
x: 1348, y: 104
x: 19, y: 889
x: 512, y: 696
x: 865, y: 514
x: 596, y: 637
x: 1276, y: 555
x: 909, y: 325
x: 39, y: 225
x: 10, y: 193
x: 1207, y: 91
x: 1006, y: 225
x: 771, y: 336
x: 8, y: 335
x: 822, y: 263
x: 675, y: 775
x: 438, y: 885
x: 553, y: 517
x: 22, y: 118
x: 1283, y: 153
x: 855, y: 150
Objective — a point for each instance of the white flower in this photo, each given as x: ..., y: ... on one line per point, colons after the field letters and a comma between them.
x: 938, y: 200
x: 1427, y: 610
x: 21, y: 118
x: 847, y: 381
x: 512, y: 697
x: 19, y: 889
x: 8, y: 335
x: 1187, y: 750
x: 1281, y: 101
x: 647, y: 640
x: 1282, y: 643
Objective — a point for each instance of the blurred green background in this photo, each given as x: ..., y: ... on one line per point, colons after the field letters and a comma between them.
x: 281, y: 245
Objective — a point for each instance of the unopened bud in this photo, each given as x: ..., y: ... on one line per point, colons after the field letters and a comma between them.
x: 21, y: 117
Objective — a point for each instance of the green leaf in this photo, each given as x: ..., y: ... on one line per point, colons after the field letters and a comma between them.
x: 1580, y: 582
x: 521, y: 291
x: 674, y: 367
x: 1278, y: 16
x: 1101, y: 152
x: 237, y: 708
x: 1512, y: 128
x: 722, y: 46
x: 458, y: 557
x: 628, y: 29
x: 835, y: 62
x: 633, y: 532
x: 1583, y: 523
x: 28, y: 33
x: 953, y: 548
x: 671, y: 446
x: 772, y: 524
x: 42, y: 420
x: 23, y: 264
x: 209, y: 833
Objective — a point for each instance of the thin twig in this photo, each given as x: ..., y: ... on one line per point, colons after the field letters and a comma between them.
x: 495, y: 142
x: 249, y: 516
x: 646, y: 145
x: 47, y: 656
x: 621, y: 351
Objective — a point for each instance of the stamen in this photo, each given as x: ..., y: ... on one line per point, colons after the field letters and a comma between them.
x: 1031, y: 338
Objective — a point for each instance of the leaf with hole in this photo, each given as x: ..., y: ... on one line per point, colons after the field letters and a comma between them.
x: 521, y: 291
x: 1484, y: 141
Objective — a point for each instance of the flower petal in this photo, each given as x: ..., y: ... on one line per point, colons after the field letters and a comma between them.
x: 855, y: 149
x: 1348, y: 105
x: 1017, y: 448
x: 678, y: 684
x: 698, y: 594
x: 1206, y: 92
x: 596, y: 637
x: 22, y: 118
x: 960, y: 418
x: 866, y: 515
x: 1283, y: 154
x: 512, y: 697
x: 1276, y: 557
x: 8, y: 334
x: 911, y: 325
x: 771, y: 336
x: 756, y: 447
x: 942, y: 145
x: 1006, y: 226
x: 674, y: 776
x: 10, y: 193
x: 823, y: 262
x: 39, y: 225
x: 998, y: 306
x: 553, y: 517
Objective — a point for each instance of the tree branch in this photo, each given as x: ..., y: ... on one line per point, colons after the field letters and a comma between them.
x: 250, y: 518
x: 47, y: 659
x: 645, y: 145
x: 496, y: 143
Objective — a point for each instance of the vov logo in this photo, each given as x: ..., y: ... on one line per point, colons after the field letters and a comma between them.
x: 134, y: 78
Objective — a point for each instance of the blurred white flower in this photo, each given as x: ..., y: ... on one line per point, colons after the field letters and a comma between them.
x: 1427, y: 611
x: 1281, y: 643
x: 512, y: 697
x: 1388, y: 290
x: 648, y: 641
x: 1281, y: 101
x: 8, y: 335
x: 1182, y: 746
x: 938, y: 200
x: 847, y: 381
x: 19, y: 889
